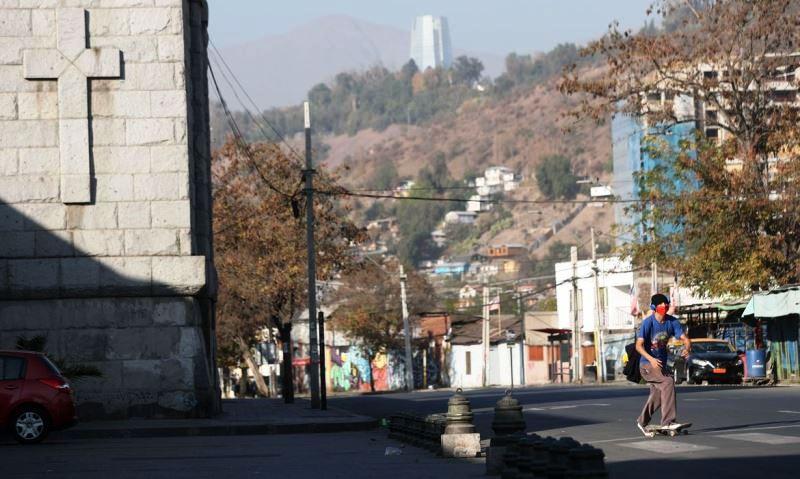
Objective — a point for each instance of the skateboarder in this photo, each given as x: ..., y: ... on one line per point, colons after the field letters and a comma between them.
x: 651, y: 343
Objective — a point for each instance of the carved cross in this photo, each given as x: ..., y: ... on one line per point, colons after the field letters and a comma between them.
x: 73, y: 64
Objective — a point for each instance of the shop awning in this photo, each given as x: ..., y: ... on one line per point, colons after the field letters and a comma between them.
x: 774, y: 304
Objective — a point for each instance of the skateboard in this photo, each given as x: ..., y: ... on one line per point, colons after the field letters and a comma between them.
x: 653, y: 430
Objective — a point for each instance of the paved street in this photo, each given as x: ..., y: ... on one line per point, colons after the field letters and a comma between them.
x: 345, y: 455
x: 737, y: 432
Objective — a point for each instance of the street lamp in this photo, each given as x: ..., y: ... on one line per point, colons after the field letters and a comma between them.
x: 510, y: 337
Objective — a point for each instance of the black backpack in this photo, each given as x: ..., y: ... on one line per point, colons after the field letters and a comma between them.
x: 631, y: 370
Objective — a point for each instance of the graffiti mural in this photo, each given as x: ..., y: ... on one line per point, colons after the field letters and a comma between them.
x: 348, y: 370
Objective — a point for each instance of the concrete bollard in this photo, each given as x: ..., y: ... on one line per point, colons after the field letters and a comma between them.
x: 508, y: 426
x: 459, y: 438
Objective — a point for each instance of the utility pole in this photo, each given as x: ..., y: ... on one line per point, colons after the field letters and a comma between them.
x: 485, y: 335
x: 576, y: 331
x: 407, y: 333
x: 522, y: 337
x: 312, y: 266
x: 598, y: 328
x: 322, y: 382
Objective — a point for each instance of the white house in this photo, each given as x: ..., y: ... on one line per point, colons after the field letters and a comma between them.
x: 506, y: 362
x: 615, y: 279
x: 495, y: 180
x: 479, y: 203
x: 439, y: 237
x: 467, y: 296
x: 460, y: 217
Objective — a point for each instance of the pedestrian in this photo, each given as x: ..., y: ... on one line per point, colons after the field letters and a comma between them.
x: 651, y: 342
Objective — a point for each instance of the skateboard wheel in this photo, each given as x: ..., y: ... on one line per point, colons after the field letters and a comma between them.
x: 673, y: 434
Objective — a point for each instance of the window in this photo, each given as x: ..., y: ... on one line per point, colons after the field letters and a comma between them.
x: 11, y: 368
x: 712, y: 133
x: 468, y: 361
x: 535, y: 353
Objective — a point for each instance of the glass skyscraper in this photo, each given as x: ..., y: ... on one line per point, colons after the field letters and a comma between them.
x: 430, y: 42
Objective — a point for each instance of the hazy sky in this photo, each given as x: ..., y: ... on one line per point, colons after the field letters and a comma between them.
x: 496, y: 26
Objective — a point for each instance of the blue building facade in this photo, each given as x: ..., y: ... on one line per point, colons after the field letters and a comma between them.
x: 631, y: 157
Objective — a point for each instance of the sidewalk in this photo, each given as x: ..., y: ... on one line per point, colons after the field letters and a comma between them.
x: 239, y: 417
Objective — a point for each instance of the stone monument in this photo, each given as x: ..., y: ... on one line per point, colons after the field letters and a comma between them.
x: 105, y: 198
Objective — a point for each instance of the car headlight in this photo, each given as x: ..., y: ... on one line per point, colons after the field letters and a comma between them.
x: 702, y: 363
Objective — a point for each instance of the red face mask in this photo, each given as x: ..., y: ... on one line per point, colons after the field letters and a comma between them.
x: 661, y: 309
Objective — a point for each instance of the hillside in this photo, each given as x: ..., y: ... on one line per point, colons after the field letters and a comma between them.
x: 516, y: 132
x: 443, y: 128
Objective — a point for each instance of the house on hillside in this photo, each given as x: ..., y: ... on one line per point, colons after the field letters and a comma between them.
x: 496, y: 180
x: 511, y: 260
x: 455, y: 269
x: 507, y: 250
x: 404, y: 188
x: 439, y: 238
x: 467, y: 296
x: 460, y: 217
x: 479, y: 203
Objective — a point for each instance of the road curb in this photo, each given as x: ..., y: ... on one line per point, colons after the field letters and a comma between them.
x: 243, y: 429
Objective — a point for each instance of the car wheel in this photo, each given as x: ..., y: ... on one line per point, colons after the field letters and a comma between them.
x: 675, y: 376
x: 30, y: 425
x: 689, y: 379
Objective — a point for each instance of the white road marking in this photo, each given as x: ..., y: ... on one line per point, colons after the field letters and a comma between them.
x: 667, y: 446
x: 763, y: 428
x: 618, y: 439
x: 763, y: 438
x: 790, y: 412
x: 700, y: 399
x: 700, y: 433
x: 546, y: 408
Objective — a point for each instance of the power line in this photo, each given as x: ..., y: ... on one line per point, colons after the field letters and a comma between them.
x: 735, y: 198
x: 240, y: 139
x: 252, y: 102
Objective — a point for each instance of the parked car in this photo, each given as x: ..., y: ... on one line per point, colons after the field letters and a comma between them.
x: 712, y: 360
x: 34, y: 397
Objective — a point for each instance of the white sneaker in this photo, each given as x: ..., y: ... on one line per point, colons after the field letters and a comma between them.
x: 645, y: 431
x: 673, y: 426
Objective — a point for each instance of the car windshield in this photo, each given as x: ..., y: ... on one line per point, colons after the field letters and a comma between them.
x: 712, y: 347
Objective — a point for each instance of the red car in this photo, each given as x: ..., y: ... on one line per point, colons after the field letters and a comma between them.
x: 34, y: 396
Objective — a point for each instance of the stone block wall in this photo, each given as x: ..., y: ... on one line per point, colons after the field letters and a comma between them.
x: 105, y: 206
x: 149, y: 350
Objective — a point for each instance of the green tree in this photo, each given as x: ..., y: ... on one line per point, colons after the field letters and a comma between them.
x: 467, y: 70
x: 555, y: 178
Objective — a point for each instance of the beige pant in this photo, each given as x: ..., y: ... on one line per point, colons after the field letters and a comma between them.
x: 662, y: 395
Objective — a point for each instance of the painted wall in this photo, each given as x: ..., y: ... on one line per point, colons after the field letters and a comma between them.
x: 458, y: 366
x: 347, y: 369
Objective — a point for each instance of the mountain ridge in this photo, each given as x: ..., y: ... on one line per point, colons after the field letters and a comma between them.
x: 316, y: 51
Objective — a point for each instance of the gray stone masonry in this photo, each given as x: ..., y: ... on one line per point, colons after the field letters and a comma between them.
x: 105, y: 203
